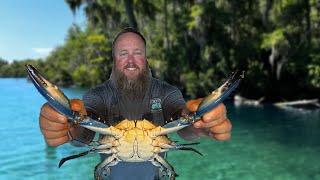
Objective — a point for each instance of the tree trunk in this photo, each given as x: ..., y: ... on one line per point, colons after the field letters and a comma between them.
x: 233, y: 22
x: 317, y: 26
x: 308, y: 23
x: 166, y: 39
x: 265, y: 13
x: 277, y: 59
x: 129, y: 9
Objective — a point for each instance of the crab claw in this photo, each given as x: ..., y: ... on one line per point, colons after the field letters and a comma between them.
x: 59, y: 101
x: 207, y: 104
x: 220, y: 94
x: 96, y: 126
x: 51, y: 92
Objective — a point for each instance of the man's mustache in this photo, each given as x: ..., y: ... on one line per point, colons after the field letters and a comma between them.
x: 131, y: 65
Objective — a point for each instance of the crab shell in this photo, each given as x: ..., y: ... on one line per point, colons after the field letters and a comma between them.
x: 136, y: 141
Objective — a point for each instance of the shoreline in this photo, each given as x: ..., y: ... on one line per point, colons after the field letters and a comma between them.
x: 233, y: 99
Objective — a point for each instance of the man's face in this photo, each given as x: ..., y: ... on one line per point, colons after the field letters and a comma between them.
x: 129, y: 54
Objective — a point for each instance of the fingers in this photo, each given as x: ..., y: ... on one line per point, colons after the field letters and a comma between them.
x: 224, y: 127
x: 49, y: 113
x: 77, y: 105
x: 217, y: 113
x: 55, y: 134
x: 212, y: 118
x: 193, y: 105
x: 222, y: 137
x: 57, y: 141
x: 53, y: 126
x: 48, y: 124
x: 214, y: 122
x: 221, y: 132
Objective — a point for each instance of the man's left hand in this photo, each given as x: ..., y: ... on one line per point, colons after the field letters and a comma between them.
x: 214, y: 123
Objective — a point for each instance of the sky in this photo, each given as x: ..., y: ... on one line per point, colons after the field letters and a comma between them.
x: 32, y: 28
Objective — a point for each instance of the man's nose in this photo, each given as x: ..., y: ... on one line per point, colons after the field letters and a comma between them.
x: 130, y: 58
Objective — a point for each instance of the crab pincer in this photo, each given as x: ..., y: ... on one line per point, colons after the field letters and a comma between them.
x: 207, y: 104
x: 58, y: 100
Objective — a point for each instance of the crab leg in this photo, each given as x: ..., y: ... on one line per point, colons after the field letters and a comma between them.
x: 164, y: 166
x: 110, y: 161
x: 168, y: 147
x: 169, y: 129
x: 160, y: 166
x: 63, y: 160
x: 207, y: 104
x: 104, y: 131
x: 58, y: 100
x: 100, y: 149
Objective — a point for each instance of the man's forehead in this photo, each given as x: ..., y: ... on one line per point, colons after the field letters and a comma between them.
x: 126, y: 44
x: 128, y: 36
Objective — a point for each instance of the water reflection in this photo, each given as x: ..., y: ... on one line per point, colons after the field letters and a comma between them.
x: 287, y: 126
x: 51, y: 153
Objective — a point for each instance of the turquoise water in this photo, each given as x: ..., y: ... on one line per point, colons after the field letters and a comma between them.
x: 267, y: 143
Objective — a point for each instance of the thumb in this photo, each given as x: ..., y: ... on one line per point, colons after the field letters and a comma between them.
x: 77, y: 105
x: 193, y: 105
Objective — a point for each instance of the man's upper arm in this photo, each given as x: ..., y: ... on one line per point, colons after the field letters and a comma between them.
x: 93, y: 102
x: 94, y: 106
x: 173, y: 103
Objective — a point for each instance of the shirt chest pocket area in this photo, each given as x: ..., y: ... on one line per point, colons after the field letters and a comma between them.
x: 156, y: 111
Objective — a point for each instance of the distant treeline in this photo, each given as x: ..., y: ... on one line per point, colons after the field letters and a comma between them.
x: 195, y: 45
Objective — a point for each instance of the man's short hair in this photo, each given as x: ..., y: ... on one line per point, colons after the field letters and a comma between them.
x: 126, y: 30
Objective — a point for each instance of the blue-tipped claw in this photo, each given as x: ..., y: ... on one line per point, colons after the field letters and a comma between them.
x: 220, y: 94
x: 59, y: 101
x: 92, y: 123
x: 209, y: 102
x: 50, y: 92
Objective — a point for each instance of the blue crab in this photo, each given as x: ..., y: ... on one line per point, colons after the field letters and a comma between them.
x: 132, y: 140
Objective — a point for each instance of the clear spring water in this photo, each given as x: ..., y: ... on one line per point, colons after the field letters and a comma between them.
x: 267, y: 143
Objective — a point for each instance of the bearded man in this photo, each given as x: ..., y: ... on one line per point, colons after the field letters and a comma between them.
x: 131, y: 93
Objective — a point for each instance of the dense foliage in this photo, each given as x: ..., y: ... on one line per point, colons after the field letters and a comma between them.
x: 196, y: 44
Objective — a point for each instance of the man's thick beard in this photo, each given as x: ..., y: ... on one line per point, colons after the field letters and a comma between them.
x: 132, y: 88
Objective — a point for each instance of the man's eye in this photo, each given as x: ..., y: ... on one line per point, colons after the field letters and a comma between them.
x: 138, y: 53
x: 123, y: 54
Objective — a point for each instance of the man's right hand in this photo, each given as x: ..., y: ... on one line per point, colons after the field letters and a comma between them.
x: 54, y: 126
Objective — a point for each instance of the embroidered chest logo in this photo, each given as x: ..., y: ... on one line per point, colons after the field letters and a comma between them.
x: 155, y: 104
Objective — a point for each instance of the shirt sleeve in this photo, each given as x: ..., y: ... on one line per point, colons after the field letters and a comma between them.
x: 94, y: 105
x: 173, y: 103
x: 93, y: 102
